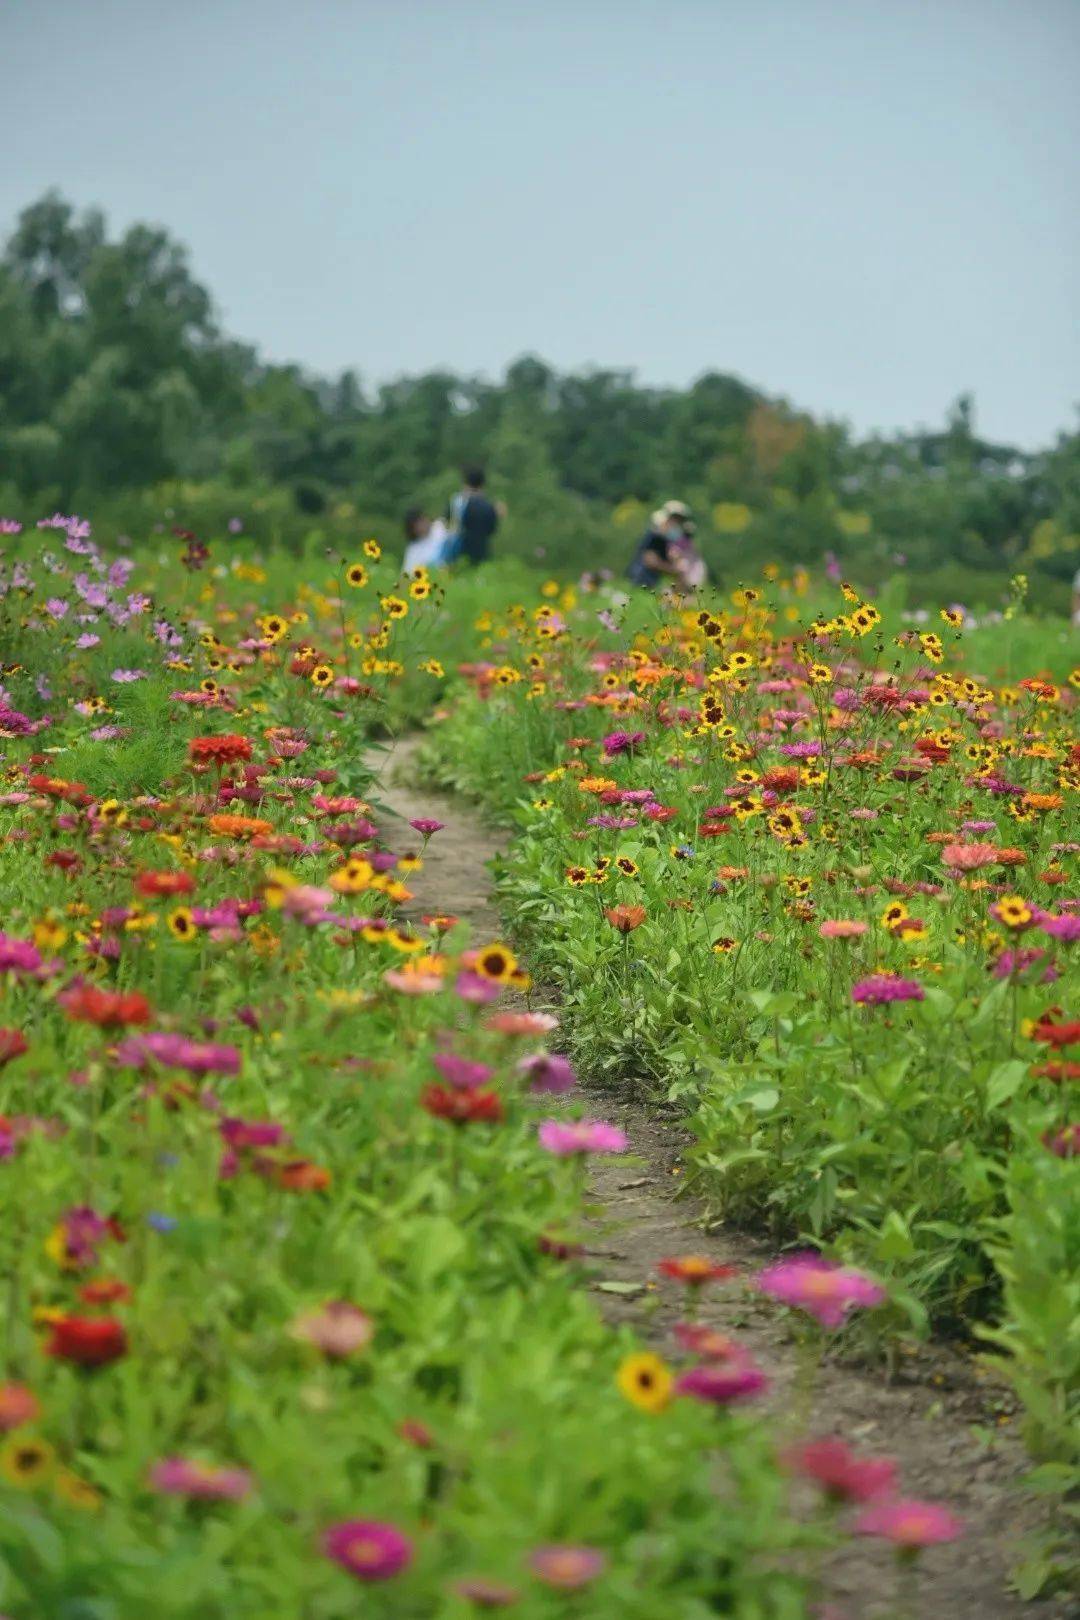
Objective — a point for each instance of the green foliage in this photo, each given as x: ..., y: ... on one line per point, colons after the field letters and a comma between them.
x: 120, y: 394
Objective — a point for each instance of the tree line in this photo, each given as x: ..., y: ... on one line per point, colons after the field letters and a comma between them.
x: 120, y: 394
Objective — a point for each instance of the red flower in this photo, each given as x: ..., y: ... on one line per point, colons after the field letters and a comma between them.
x: 461, y: 1106
x: 152, y: 884
x: 694, y: 1269
x: 109, y: 1009
x: 12, y: 1045
x: 88, y: 1341
x: 223, y: 750
x: 1057, y: 1035
x: 105, y: 1291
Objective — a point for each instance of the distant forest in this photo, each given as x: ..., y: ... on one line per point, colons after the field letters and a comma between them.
x: 121, y: 397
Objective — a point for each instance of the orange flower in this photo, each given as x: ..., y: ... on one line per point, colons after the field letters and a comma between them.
x: 625, y: 918
x: 238, y: 826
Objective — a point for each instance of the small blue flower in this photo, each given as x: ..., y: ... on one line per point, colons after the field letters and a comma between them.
x: 162, y: 1223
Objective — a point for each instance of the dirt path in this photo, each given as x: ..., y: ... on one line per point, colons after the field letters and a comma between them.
x: 942, y: 1423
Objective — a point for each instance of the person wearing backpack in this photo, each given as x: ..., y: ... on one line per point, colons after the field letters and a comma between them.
x: 474, y: 519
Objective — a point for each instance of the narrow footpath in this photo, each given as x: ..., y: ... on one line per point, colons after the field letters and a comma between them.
x: 949, y: 1429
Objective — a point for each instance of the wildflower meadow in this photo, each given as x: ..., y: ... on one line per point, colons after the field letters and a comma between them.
x: 300, y: 1247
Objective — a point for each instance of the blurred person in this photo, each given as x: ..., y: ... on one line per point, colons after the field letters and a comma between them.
x: 426, y: 540
x: 474, y: 517
x: 666, y: 551
x: 1076, y: 599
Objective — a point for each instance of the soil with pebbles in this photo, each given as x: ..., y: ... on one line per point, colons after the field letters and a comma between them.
x: 950, y: 1429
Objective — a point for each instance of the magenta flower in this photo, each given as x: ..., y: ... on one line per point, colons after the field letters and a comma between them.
x: 842, y: 1474
x: 621, y: 742
x: 368, y: 1548
x: 825, y: 1291
x: 722, y: 1383
x: 882, y: 988
x: 473, y: 987
x: 548, y: 1071
x: 180, y: 1476
x: 567, y: 1567
x: 427, y: 825
x: 909, y: 1523
x: 460, y: 1072
x: 565, y: 1138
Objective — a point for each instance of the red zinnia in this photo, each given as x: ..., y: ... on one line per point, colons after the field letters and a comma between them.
x: 153, y: 884
x: 12, y: 1045
x: 1057, y: 1035
x: 223, y: 750
x: 461, y: 1106
x: 694, y: 1269
x: 88, y: 1341
x: 109, y: 1009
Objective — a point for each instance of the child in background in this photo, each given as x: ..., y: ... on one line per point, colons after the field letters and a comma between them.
x: 425, y: 540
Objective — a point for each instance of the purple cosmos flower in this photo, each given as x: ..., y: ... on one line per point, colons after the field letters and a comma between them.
x: 567, y: 1137
x: 124, y: 677
x: 56, y: 607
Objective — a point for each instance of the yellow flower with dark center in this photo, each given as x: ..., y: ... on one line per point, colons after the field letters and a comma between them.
x: 893, y: 914
x: 353, y: 878
x: 420, y: 590
x: 321, y: 675
x: 181, y: 925
x: 577, y: 876
x: 953, y: 617
x: 495, y: 962
x: 210, y: 687
x: 372, y: 549
x: 626, y: 866
x: 645, y: 1381
x: 1012, y: 911
x: 356, y: 575
x: 26, y: 1463
x: 395, y: 607
x: 723, y: 945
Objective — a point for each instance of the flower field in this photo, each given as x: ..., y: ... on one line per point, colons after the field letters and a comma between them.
x: 296, y: 1169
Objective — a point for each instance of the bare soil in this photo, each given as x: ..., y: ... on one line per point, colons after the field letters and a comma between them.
x: 948, y: 1426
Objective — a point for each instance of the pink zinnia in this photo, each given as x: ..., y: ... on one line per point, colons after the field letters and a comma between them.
x: 567, y: 1567
x: 564, y: 1138
x: 722, y: 1383
x: 909, y: 1523
x: 427, y: 825
x: 826, y: 1291
x: 461, y: 1072
x: 180, y: 1476
x: 842, y: 1474
x: 521, y: 1023
x: 968, y: 857
x: 368, y: 1548
x: 881, y: 988
x: 842, y: 928
x: 548, y: 1071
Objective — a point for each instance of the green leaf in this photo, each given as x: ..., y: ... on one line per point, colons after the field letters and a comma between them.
x: 1004, y: 1082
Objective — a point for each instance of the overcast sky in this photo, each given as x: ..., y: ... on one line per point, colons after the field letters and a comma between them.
x: 867, y: 206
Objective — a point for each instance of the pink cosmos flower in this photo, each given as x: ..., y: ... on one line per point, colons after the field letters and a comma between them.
x: 909, y: 1523
x: 567, y: 1137
x: 567, y: 1567
x: 368, y: 1548
x: 825, y: 1291
x: 181, y: 1476
x: 841, y: 1473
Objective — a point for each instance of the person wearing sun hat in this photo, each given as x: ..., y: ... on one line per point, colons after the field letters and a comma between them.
x: 654, y: 559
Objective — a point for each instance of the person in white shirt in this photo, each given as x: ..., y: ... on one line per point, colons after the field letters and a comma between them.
x: 425, y: 540
x: 1076, y: 599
